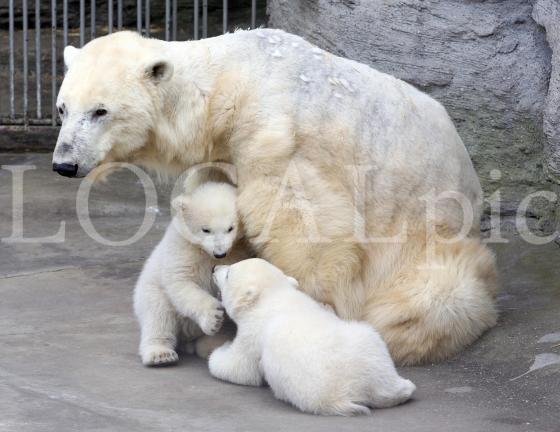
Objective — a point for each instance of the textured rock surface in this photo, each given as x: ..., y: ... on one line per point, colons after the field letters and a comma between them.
x: 488, y: 62
x: 547, y: 14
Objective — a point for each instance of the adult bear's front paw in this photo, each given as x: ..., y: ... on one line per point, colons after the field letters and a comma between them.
x: 212, y: 318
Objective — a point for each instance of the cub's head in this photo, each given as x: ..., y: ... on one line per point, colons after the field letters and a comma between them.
x: 242, y: 284
x: 115, y: 103
x: 208, y: 217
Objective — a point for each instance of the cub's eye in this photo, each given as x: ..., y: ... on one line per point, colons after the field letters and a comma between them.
x: 230, y: 229
x: 61, y: 111
x: 206, y: 230
x: 100, y: 112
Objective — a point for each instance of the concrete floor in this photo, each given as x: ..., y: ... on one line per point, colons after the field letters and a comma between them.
x: 68, y: 337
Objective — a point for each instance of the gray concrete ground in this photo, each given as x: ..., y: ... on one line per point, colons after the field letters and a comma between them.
x: 68, y: 337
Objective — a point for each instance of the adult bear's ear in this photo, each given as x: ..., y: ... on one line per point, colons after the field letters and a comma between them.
x: 293, y: 281
x: 159, y: 71
x: 70, y: 54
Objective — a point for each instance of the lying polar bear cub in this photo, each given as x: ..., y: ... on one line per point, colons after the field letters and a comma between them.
x: 308, y: 356
x: 173, y: 295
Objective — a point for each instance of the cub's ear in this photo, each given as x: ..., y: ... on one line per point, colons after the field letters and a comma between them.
x: 180, y: 204
x: 159, y: 71
x: 247, y: 299
x: 293, y: 281
x: 70, y: 54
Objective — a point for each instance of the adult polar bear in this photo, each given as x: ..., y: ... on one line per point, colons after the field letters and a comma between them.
x: 328, y: 146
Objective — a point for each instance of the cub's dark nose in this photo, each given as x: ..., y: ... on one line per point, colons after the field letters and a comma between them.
x: 219, y: 256
x: 66, y: 170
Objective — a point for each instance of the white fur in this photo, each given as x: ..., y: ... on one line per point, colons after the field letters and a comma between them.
x: 356, y: 149
x: 309, y: 357
x: 173, y: 295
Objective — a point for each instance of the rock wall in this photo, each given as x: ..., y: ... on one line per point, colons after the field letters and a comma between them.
x: 488, y: 62
x: 547, y: 14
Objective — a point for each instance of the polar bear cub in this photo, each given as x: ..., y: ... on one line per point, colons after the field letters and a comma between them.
x: 173, y: 296
x: 309, y: 357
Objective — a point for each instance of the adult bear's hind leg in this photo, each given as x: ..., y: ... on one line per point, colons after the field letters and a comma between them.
x: 328, y: 268
x: 433, y: 308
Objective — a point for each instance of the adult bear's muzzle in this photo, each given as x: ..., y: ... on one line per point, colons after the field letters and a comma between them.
x: 65, y: 169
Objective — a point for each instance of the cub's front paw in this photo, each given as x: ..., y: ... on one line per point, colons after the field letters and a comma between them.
x: 158, y: 355
x: 212, y: 318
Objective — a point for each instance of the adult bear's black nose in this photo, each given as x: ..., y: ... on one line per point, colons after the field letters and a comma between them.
x: 66, y: 170
x: 219, y: 255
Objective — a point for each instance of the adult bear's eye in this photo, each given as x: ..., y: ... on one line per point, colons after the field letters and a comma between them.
x: 100, y: 112
x: 206, y: 230
x: 230, y: 229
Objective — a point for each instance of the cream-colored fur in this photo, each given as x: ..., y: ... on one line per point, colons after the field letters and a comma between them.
x: 339, y: 152
x: 173, y: 298
x: 308, y: 356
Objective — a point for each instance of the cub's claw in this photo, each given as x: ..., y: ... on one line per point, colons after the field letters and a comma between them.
x: 212, y: 321
x: 159, y: 356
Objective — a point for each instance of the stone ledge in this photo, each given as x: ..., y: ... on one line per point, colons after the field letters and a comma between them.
x: 28, y: 138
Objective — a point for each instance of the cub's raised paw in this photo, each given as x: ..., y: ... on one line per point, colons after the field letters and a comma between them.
x: 212, y: 319
x: 159, y: 356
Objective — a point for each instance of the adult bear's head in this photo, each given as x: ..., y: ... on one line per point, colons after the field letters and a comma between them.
x: 120, y: 101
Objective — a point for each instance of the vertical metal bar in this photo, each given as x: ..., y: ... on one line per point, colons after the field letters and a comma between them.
x: 148, y: 16
x: 12, y: 68
x: 65, y: 22
x: 139, y: 16
x: 25, y: 65
x: 253, y: 13
x: 195, y: 19
x: 53, y: 62
x: 92, y: 19
x: 110, y: 16
x: 38, y: 56
x: 82, y: 22
x: 225, y: 17
x: 167, y: 18
x: 174, y: 23
x: 204, y: 18
x: 119, y: 14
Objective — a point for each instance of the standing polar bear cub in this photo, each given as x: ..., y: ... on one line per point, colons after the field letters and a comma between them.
x: 173, y: 295
x: 308, y: 356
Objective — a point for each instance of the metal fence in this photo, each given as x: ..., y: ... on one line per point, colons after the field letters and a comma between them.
x: 29, y: 83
